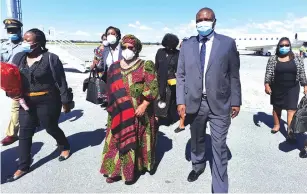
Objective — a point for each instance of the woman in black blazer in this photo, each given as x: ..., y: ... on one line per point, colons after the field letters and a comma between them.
x: 166, y: 65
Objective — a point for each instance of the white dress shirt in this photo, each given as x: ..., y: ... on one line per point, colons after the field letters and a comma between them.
x: 112, y: 57
x: 208, y: 52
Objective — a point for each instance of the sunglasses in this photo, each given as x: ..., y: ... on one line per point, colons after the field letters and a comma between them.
x: 127, y: 47
x: 284, y: 45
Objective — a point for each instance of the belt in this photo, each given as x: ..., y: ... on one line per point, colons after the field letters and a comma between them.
x: 37, y: 93
x: 171, y: 82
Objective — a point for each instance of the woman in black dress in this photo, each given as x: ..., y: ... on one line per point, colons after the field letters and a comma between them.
x: 166, y: 66
x: 284, y: 75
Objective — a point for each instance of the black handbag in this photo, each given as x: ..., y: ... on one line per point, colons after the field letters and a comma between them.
x: 163, y: 112
x: 96, y: 88
x: 299, y: 121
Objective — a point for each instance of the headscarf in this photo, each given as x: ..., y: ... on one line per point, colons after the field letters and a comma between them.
x: 137, y: 44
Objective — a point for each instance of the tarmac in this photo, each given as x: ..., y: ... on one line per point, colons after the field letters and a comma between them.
x: 259, y: 162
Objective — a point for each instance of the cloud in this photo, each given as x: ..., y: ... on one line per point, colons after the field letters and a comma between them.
x: 138, y: 25
x: 289, y: 25
x: 81, y: 33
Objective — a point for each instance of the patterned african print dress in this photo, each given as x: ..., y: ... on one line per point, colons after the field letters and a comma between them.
x: 139, y: 82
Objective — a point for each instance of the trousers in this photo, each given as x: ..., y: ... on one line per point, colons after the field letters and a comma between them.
x: 13, y: 127
x: 219, y: 125
x: 44, y: 110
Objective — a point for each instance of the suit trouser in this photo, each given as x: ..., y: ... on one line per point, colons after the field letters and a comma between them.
x: 13, y: 128
x: 219, y: 126
x: 45, y: 110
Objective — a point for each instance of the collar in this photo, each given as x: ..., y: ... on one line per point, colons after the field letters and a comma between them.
x: 209, y: 37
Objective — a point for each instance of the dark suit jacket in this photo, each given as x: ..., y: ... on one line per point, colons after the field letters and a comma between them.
x: 223, y: 86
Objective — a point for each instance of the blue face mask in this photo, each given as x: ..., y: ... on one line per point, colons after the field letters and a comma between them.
x: 284, y: 50
x: 13, y: 37
x: 26, y: 47
x: 204, y: 28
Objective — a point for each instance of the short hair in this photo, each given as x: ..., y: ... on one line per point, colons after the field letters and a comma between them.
x: 119, y: 35
x: 206, y: 9
x: 170, y: 40
x: 291, y: 54
x: 39, y: 38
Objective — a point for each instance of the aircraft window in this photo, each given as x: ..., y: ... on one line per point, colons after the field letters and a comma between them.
x: 271, y: 38
x: 267, y: 39
x: 250, y: 38
x: 277, y: 38
x: 255, y: 38
x: 260, y: 38
x: 244, y: 38
x: 239, y: 38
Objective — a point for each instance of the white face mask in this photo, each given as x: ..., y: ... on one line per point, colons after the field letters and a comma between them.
x: 111, y: 39
x: 105, y: 43
x: 128, y: 54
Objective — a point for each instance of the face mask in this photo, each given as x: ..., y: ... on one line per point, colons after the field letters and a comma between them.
x: 128, y: 54
x: 13, y: 37
x: 105, y: 43
x: 111, y: 39
x: 284, y: 50
x: 204, y: 28
x: 26, y: 47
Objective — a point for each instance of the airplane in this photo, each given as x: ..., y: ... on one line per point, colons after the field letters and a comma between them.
x: 263, y: 44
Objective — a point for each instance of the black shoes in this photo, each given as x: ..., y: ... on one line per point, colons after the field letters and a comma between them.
x: 193, y: 176
x: 303, y: 153
x: 62, y: 158
x: 14, y: 177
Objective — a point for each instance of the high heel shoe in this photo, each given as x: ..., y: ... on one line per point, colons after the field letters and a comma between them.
x: 62, y: 158
x: 15, y: 177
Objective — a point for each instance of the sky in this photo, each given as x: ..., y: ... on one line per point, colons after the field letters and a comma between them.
x: 150, y: 20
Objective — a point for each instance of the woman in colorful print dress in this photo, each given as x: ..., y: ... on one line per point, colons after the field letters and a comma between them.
x: 132, y: 129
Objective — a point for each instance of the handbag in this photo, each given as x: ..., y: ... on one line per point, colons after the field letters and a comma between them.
x: 70, y: 93
x: 163, y: 111
x: 96, y: 88
x: 299, y: 121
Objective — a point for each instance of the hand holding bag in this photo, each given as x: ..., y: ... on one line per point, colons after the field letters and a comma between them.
x: 96, y: 88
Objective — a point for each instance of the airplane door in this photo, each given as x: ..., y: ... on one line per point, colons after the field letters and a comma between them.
x: 295, y: 36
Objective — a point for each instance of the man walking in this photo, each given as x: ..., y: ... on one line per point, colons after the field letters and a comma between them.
x: 8, y: 51
x: 209, y: 90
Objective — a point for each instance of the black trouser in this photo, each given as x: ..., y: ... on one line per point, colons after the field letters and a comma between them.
x: 45, y: 110
x: 172, y: 110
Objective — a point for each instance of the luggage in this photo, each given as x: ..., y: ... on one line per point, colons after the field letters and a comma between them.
x: 96, y: 88
x: 299, y: 121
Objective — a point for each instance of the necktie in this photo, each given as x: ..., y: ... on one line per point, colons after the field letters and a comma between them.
x: 203, y: 54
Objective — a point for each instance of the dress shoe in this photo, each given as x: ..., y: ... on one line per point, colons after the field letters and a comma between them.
x: 8, y: 140
x: 14, y: 177
x: 303, y: 153
x: 62, y: 158
x: 193, y: 176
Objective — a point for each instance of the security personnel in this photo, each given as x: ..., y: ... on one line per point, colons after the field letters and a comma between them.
x: 8, y: 51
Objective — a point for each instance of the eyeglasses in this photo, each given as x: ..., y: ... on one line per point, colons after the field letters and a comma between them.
x: 127, y: 47
x: 284, y: 45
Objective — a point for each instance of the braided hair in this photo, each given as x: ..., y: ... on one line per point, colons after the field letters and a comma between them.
x: 40, y: 38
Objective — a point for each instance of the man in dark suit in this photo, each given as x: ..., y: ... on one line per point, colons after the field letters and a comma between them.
x: 209, y: 89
